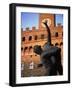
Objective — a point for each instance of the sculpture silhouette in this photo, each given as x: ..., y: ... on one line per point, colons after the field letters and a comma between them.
x: 50, y: 56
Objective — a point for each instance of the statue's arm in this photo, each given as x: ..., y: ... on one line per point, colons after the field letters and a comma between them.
x: 48, y: 31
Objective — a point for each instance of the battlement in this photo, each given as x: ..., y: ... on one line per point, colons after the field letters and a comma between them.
x: 33, y: 28
x: 28, y: 29
x: 59, y: 25
x: 57, y: 28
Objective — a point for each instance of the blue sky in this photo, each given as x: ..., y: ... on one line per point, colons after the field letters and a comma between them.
x: 59, y: 18
x: 32, y: 19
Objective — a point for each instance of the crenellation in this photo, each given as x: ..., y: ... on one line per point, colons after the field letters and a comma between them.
x: 27, y: 29
x: 33, y: 28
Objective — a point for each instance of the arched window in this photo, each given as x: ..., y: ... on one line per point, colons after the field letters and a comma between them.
x: 21, y: 48
x: 61, y: 43
x: 30, y: 48
x: 35, y: 37
x: 23, y: 38
x: 25, y: 49
x: 40, y: 46
x: 56, y: 44
x: 42, y: 36
x: 30, y: 38
x: 52, y: 45
x: 30, y: 55
x: 56, y: 34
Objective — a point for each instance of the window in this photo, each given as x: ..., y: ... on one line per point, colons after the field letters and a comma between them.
x: 61, y: 43
x: 56, y: 44
x: 52, y: 45
x: 35, y: 37
x: 30, y: 38
x: 21, y: 48
x: 25, y: 49
x: 40, y: 46
x: 30, y: 55
x: 56, y: 34
x: 30, y: 48
x: 42, y: 36
x: 23, y: 39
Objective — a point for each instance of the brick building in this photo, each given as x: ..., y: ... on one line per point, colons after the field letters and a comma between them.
x: 30, y: 38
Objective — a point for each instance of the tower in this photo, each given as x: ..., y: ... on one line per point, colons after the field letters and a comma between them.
x: 49, y: 17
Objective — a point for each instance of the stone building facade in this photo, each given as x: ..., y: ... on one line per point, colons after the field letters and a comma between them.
x: 30, y: 38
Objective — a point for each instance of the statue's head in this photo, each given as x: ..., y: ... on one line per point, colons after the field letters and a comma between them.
x: 37, y: 49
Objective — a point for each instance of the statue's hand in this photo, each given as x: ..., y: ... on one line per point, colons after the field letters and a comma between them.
x: 45, y: 22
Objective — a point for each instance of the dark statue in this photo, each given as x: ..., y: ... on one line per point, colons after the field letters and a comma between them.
x: 50, y: 56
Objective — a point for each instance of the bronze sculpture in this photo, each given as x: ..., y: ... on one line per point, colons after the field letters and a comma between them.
x: 50, y: 56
